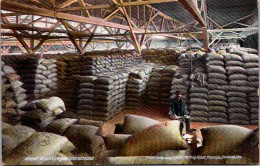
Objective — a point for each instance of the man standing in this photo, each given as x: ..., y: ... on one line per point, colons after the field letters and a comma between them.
x: 177, y: 111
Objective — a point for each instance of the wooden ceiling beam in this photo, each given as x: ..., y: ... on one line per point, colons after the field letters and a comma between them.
x: 193, y: 10
x: 37, y: 3
x: 124, y: 4
x: 66, y: 3
x: 17, y: 7
x: 29, y: 28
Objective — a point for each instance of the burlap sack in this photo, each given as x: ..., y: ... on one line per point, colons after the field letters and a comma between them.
x: 115, y: 141
x: 152, y: 136
x: 51, y: 103
x: 40, y: 145
x: 84, y: 138
x: 217, y: 137
x: 60, y: 125
x: 5, y: 125
x: 134, y: 123
x: 83, y: 121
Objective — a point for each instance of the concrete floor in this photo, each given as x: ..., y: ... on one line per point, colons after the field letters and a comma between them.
x: 159, y: 113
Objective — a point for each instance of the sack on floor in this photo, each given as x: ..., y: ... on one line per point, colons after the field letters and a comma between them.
x: 51, y: 103
x: 60, y: 125
x: 135, y: 123
x: 41, y: 145
x: 152, y: 136
x: 115, y: 141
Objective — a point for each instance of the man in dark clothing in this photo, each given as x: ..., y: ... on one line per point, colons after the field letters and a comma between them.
x: 177, y: 111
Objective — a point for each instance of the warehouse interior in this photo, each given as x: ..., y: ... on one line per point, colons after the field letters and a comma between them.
x: 90, y: 82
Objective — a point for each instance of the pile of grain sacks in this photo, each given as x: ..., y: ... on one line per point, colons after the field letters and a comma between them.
x: 103, y: 96
x: 99, y: 62
x: 40, y: 113
x: 22, y: 145
x: 13, y: 95
x: 216, y: 96
x: 39, y: 75
x: 137, y: 83
x: 68, y: 65
x: 162, y: 56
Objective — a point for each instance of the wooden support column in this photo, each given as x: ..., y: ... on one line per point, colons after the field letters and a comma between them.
x: 205, y: 41
x: 136, y: 44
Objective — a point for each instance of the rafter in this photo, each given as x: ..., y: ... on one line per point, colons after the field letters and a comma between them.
x: 13, y: 6
x: 193, y: 10
x: 123, y: 4
x: 66, y: 3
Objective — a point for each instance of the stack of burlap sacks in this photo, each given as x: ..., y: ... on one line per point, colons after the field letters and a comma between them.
x: 58, y: 144
x: 232, y: 81
x: 162, y: 56
x: 22, y: 145
x: 86, y: 88
x: 40, y: 113
x: 100, y: 62
x: 217, y: 78
x: 136, y: 84
x: 167, y: 76
x: 68, y: 65
x: 237, y: 78
x: 159, y: 85
x: 13, y: 95
x: 103, y: 96
x: 154, y: 86
x: 126, y: 145
x: 39, y: 75
x: 252, y: 69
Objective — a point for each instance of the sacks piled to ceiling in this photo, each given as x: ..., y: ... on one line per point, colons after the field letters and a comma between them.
x: 13, y: 95
x: 237, y: 101
x: 162, y: 56
x: 166, y: 83
x: 68, y: 65
x: 39, y: 75
x: 154, y: 86
x: 137, y: 84
x: 103, y: 96
x: 100, y: 61
x: 216, y: 96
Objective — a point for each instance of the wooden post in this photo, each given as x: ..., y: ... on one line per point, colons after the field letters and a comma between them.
x: 205, y: 41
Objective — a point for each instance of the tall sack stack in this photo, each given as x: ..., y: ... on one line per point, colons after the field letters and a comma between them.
x: 39, y: 76
x: 99, y: 62
x: 86, y: 95
x: 13, y: 95
x: 136, y: 84
x: 216, y: 96
x: 109, y: 95
x: 254, y: 108
x: 198, y: 102
x: 167, y: 77
x: 252, y: 71
x: 181, y: 83
x: 237, y: 101
x: 154, y: 86
x: 68, y: 65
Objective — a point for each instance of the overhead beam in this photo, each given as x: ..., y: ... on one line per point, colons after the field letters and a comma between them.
x: 193, y: 10
x: 18, y: 7
x: 66, y: 3
x: 124, y: 4
x: 234, y: 29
